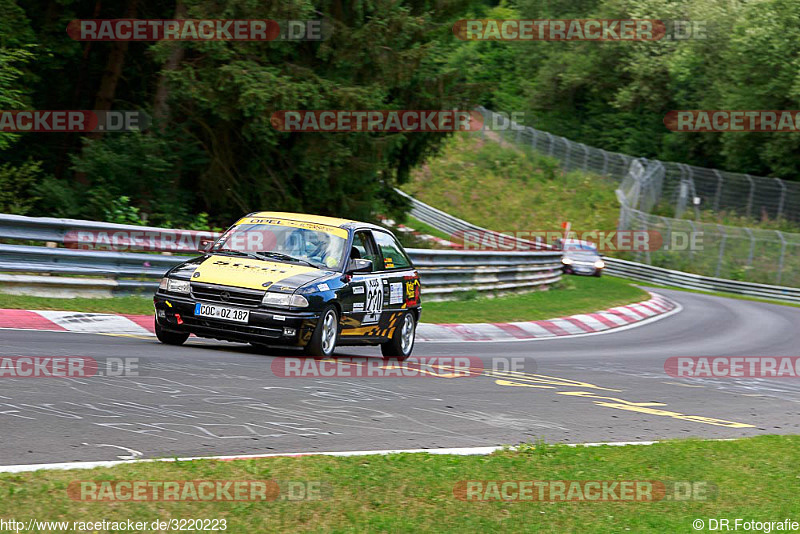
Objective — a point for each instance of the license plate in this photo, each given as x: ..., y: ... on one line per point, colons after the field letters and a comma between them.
x: 583, y: 269
x: 221, y: 312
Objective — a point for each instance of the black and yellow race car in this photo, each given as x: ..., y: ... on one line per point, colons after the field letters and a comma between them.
x: 295, y: 280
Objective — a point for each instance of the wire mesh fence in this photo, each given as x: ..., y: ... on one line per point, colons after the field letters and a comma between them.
x: 682, y: 193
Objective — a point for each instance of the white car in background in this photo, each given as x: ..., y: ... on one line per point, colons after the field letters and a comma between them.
x: 581, y: 257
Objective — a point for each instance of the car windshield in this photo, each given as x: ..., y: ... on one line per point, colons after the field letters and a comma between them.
x: 286, y: 241
x: 572, y: 247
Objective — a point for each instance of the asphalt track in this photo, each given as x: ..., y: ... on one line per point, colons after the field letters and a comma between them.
x: 214, y: 398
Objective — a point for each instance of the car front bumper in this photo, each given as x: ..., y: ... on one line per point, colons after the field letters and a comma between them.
x: 269, y: 326
x: 586, y: 270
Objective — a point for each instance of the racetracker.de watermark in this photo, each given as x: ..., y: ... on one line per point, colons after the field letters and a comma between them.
x: 67, y: 367
x: 198, y: 490
x: 198, y: 30
x: 612, y: 241
x: 578, y: 30
x: 584, y: 490
x: 733, y: 366
x: 73, y: 121
x: 733, y: 120
x: 169, y: 240
x: 377, y: 121
x: 415, y: 367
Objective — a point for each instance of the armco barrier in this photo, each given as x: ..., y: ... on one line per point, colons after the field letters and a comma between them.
x: 75, y: 233
x: 454, y: 226
x: 659, y: 275
x: 444, y: 273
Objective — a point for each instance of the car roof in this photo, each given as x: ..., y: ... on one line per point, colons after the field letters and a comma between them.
x: 302, y: 217
x: 579, y: 242
x: 315, y: 219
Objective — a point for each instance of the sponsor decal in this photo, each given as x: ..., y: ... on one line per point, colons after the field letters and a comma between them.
x: 396, y: 293
x: 323, y: 287
x: 412, y: 290
x: 374, y: 304
x: 358, y: 290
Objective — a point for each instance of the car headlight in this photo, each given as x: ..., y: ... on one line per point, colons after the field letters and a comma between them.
x: 175, y: 286
x: 599, y: 264
x: 284, y: 300
x: 566, y: 261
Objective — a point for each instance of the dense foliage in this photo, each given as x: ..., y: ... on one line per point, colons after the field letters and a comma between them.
x: 212, y: 148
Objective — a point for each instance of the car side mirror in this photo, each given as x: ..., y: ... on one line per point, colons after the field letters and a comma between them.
x: 205, y: 245
x: 359, y: 265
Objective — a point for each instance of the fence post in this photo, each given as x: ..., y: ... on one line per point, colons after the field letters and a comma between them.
x: 719, y: 190
x: 783, y: 197
x: 533, y: 135
x: 566, y: 156
x: 752, y: 246
x: 750, y: 198
x: 550, y: 141
x: 666, y: 241
x: 780, y: 262
x: 585, y: 157
x: 721, y: 250
x: 605, y: 162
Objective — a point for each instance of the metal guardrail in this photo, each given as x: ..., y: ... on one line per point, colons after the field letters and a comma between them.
x: 453, y: 226
x: 78, y: 233
x: 444, y: 273
x: 659, y: 275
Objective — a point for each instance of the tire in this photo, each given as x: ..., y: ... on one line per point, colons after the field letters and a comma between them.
x: 170, y: 338
x: 326, y: 334
x: 402, y: 342
x: 598, y: 273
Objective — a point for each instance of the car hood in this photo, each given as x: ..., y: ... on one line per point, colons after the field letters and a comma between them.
x: 249, y: 273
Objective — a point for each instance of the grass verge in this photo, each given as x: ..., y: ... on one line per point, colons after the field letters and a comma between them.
x: 506, y: 189
x: 719, y: 294
x: 575, y: 295
x: 129, y: 305
x: 754, y: 480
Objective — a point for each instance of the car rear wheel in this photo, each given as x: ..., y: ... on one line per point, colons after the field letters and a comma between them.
x: 170, y: 338
x: 323, y: 340
x: 402, y: 342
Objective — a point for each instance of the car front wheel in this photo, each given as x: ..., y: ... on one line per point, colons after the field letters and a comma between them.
x: 323, y: 340
x: 402, y: 342
x: 170, y: 338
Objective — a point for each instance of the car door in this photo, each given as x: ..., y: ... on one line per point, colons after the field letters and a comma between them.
x: 397, y: 276
x: 363, y: 301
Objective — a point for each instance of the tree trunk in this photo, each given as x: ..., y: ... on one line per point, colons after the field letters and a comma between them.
x: 160, y: 102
